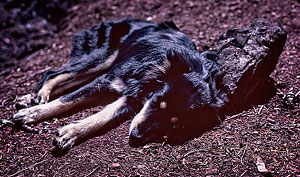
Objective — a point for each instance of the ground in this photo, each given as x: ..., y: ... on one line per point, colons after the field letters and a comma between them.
x: 269, y: 132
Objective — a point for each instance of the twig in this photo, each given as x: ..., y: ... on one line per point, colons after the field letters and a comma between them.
x: 243, y: 154
x: 199, y: 150
x: 31, y: 166
x: 254, y: 109
x: 234, y: 116
x: 260, y: 109
x: 93, y: 171
x: 297, y: 94
x: 243, y: 173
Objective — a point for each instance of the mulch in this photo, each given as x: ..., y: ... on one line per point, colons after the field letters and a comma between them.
x: 266, y: 134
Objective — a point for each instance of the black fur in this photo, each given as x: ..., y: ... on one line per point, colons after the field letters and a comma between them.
x: 188, y: 86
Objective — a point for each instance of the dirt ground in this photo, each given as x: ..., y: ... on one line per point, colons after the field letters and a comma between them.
x: 268, y: 132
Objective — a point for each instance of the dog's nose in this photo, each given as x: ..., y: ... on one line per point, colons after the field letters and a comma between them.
x: 135, y: 139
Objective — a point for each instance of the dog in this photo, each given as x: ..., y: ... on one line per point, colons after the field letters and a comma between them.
x: 154, y: 71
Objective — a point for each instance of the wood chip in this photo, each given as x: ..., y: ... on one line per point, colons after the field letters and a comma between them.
x: 115, y: 165
x: 261, y: 166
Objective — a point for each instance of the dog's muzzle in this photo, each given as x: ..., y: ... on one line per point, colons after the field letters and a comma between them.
x: 136, y: 138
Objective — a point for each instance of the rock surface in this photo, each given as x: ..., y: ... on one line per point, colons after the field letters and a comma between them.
x: 247, y: 58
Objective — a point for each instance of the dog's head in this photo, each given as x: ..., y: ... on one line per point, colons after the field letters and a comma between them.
x: 188, y: 88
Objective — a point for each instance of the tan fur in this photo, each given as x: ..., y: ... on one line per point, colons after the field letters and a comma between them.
x: 163, y: 68
x: 118, y: 85
x: 163, y: 105
x: 108, y: 62
x: 71, y: 84
x: 43, y: 111
x: 72, y: 133
x: 140, y: 117
x: 45, y: 91
x: 174, y: 120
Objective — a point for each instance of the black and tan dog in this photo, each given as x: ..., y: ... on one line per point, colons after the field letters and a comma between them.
x: 154, y: 69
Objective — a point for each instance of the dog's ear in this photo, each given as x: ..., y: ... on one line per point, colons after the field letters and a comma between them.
x: 178, y: 63
x: 168, y: 24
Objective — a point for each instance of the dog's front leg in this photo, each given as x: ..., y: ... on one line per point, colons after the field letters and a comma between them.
x: 71, y: 134
x: 42, y: 112
x: 62, y: 104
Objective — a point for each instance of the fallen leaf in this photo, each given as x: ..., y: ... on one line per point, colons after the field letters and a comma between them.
x: 261, y: 166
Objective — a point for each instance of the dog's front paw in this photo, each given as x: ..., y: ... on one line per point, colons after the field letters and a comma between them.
x: 26, y: 101
x: 67, y: 137
x: 27, y: 115
x: 44, y: 97
x: 44, y: 94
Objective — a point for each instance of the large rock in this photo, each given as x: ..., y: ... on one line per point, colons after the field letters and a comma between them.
x: 247, y: 57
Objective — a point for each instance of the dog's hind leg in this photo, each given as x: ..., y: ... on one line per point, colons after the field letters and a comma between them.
x: 94, y: 51
x: 74, y: 133
x: 45, y: 91
x: 90, y: 58
x: 76, y: 75
x: 65, y: 81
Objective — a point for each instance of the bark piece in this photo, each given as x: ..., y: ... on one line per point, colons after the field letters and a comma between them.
x: 247, y: 58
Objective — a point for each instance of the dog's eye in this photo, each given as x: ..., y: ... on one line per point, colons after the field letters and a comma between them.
x: 163, y: 105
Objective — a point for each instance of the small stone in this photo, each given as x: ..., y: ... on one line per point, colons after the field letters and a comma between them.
x: 274, y: 128
x: 6, y: 40
x: 149, y: 18
x: 6, y: 122
x: 141, y: 166
x: 146, y: 147
x: 184, y: 162
x: 115, y: 165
